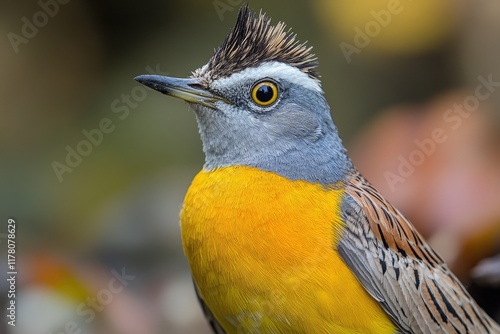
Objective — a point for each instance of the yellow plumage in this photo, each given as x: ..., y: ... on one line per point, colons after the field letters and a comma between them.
x: 301, y: 242
x: 262, y: 250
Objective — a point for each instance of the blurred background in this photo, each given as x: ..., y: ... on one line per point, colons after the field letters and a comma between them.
x: 94, y: 166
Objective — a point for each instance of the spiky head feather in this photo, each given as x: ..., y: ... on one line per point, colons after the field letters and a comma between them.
x: 253, y: 41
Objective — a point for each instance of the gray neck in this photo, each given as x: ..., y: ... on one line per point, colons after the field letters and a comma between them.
x: 322, y: 159
x: 326, y: 164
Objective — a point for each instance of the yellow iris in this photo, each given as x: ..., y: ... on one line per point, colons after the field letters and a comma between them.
x: 265, y: 93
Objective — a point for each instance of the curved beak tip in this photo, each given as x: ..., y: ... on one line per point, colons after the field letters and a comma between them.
x: 151, y: 81
x: 139, y: 78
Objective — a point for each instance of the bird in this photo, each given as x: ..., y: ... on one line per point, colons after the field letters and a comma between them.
x: 281, y: 231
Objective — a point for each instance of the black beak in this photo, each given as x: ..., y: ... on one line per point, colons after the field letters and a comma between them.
x: 190, y: 89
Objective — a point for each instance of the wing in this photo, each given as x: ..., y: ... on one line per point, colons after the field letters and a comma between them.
x: 216, y: 327
x: 400, y: 270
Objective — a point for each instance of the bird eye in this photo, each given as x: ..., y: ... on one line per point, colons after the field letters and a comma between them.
x: 265, y: 93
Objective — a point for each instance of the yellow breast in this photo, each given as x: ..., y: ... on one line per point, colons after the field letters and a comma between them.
x: 262, y: 250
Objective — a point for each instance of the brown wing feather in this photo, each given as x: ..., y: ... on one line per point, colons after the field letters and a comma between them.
x: 400, y: 270
x: 214, y: 324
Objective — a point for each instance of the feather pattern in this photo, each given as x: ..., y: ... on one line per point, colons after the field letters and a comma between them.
x: 400, y: 270
x: 253, y: 41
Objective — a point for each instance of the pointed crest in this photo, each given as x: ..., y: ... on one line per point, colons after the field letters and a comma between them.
x: 252, y: 41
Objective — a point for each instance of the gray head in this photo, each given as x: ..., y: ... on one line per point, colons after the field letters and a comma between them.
x: 259, y: 103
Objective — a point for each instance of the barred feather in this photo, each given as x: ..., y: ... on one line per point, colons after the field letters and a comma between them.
x: 400, y: 270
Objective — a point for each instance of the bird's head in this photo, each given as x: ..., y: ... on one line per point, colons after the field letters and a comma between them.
x: 259, y: 102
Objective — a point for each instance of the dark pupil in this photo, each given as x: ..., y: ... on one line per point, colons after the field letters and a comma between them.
x: 265, y: 93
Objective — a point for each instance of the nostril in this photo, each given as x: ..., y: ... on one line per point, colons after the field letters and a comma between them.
x: 196, y: 86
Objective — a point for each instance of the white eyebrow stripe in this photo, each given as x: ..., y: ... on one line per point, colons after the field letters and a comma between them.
x: 272, y: 69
